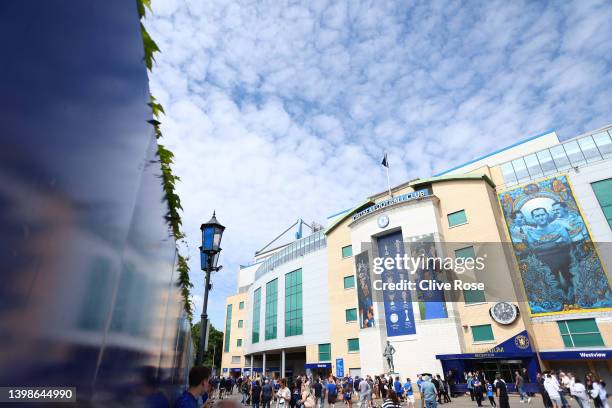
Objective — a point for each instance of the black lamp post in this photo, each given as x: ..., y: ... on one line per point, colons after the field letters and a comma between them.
x: 212, y: 231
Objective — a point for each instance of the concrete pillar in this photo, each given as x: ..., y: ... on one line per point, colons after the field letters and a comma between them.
x: 282, y: 363
x: 263, y: 370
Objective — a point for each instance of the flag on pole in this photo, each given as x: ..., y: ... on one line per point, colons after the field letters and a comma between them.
x: 385, y: 162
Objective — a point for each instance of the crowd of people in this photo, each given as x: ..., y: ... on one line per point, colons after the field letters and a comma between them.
x: 385, y: 391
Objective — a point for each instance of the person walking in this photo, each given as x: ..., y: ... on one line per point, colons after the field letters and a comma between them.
x: 332, y: 391
x: 255, y: 394
x: 392, y: 400
x: 502, y: 392
x: 552, y: 388
x: 470, y: 385
x: 409, y: 393
x: 283, y: 394
x: 266, y: 394
x: 489, y: 390
x: 579, y: 392
x: 318, y: 393
x: 308, y: 399
x: 444, y: 389
x: 519, y: 383
x: 365, y: 394
x: 477, y: 391
x: 429, y: 393
x: 399, y: 390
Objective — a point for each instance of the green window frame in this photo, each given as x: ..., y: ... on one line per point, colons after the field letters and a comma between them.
x: 240, y: 324
x: 580, y: 333
x: 457, y: 218
x: 293, y: 303
x: 483, y: 332
x: 241, y: 305
x: 470, y: 295
x: 325, y: 352
x: 347, y: 251
x: 349, y: 282
x: 271, y: 309
x: 228, y: 328
x: 603, y: 193
x: 353, y: 345
x: 351, y: 315
x: 256, y: 314
x: 238, y: 342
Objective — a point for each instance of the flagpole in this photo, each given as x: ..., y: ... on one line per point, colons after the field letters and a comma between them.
x: 388, y: 180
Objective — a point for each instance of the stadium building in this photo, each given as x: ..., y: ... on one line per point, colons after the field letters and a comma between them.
x: 539, y: 211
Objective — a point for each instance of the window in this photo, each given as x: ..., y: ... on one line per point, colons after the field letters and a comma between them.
x: 604, y: 144
x: 347, y: 251
x: 238, y: 342
x: 483, y: 332
x: 228, y: 327
x: 349, y: 282
x: 470, y: 296
x: 241, y: 305
x: 256, y: 313
x: 353, y: 345
x: 580, y: 333
x: 508, y: 173
x: 271, y: 309
x: 590, y: 151
x: 325, y: 352
x: 574, y: 153
x: 235, y: 359
x: 457, y: 218
x: 293, y: 303
x: 560, y: 158
x: 351, y: 315
x: 240, y: 324
x: 603, y: 192
x: 533, y: 166
x: 546, y: 161
x: 520, y: 169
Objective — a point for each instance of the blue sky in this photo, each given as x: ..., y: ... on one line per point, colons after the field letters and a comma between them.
x: 281, y: 110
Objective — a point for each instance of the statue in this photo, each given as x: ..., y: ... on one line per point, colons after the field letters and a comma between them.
x: 388, y: 354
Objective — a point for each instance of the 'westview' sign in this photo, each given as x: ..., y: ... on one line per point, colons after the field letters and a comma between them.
x: 392, y: 201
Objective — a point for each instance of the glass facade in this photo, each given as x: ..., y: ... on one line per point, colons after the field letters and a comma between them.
x: 228, y: 328
x: 347, y: 251
x: 470, y: 296
x: 578, y: 152
x: 580, y: 333
x: 293, y: 303
x: 603, y: 192
x: 256, y: 314
x: 325, y: 352
x: 483, y: 332
x: 351, y: 315
x: 349, y: 282
x: 353, y: 345
x: 457, y: 218
x: 271, y: 309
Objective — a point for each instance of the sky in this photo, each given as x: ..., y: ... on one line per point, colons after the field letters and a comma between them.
x: 280, y: 110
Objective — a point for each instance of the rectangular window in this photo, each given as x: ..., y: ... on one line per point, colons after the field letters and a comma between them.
x: 580, y: 333
x: 293, y: 303
x: 240, y: 324
x: 533, y: 166
x: 546, y: 161
x: 325, y: 352
x: 590, y: 151
x: 470, y: 296
x: 349, y: 282
x: 520, y: 169
x: 603, y: 192
x: 239, y: 343
x: 235, y: 359
x: 228, y: 327
x: 351, y: 315
x: 347, y: 251
x: 508, y: 173
x: 256, y: 313
x: 604, y: 144
x: 271, y: 309
x: 353, y: 345
x: 560, y: 157
x: 457, y: 218
x: 574, y: 153
x: 483, y: 332
x: 241, y: 305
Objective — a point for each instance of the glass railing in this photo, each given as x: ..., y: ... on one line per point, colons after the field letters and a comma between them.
x: 573, y: 153
x: 301, y: 247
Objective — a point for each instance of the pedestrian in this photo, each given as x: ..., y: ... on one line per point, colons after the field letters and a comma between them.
x: 392, y: 400
x: 283, y: 394
x: 318, y: 393
x: 365, y: 393
x: 444, y: 389
x: 598, y: 393
x: 307, y: 400
x: 266, y: 394
x: 429, y: 392
x: 347, y: 393
x: 409, y: 393
x: 255, y: 394
x: 198, y: 386
x: 332, y: 391
x: 502, y: 392
x: 477, y: 391
x: 399, y: 390
x: 470, y: 385
x: 578, y: 391
x: 552, y: 388
x: 489, y: 390
x: 519, y: 384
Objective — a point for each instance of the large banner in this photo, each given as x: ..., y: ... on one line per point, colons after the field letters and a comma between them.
x: 432, y: 304
x: 559, y: 266
x: 364, y: 290
x: 399, y: 315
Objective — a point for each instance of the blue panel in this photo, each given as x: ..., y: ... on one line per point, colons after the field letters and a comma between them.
x: 399, y: 315
x: 317, y: 365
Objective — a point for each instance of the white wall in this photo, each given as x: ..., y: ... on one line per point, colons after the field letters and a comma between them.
x: 315, y: 304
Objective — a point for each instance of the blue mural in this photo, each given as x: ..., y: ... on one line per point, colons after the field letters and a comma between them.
x: 558, y: 262
x: 399, y: 315
x: 432, y: 304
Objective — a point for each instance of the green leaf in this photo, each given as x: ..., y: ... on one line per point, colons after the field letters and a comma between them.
x: 150, y: 47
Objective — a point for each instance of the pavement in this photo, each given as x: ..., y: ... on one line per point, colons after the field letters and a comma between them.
x: 457, y: 402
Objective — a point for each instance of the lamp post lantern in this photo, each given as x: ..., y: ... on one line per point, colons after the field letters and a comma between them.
x: 212, y: 231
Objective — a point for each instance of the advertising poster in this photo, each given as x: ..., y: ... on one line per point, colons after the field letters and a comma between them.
x: 559, y: 266
x: 399, y: 315
x: 364, y: 290
x: 432, y: 304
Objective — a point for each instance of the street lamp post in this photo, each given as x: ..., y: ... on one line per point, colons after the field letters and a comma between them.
x: 212, y: 231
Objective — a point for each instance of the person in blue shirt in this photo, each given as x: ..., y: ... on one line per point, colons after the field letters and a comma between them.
x: 399, y: 390
x: 490, y: 388
x: 429, y: 393
x: 409, y: 393
x: 332, y: 391
x: 198, y: 387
